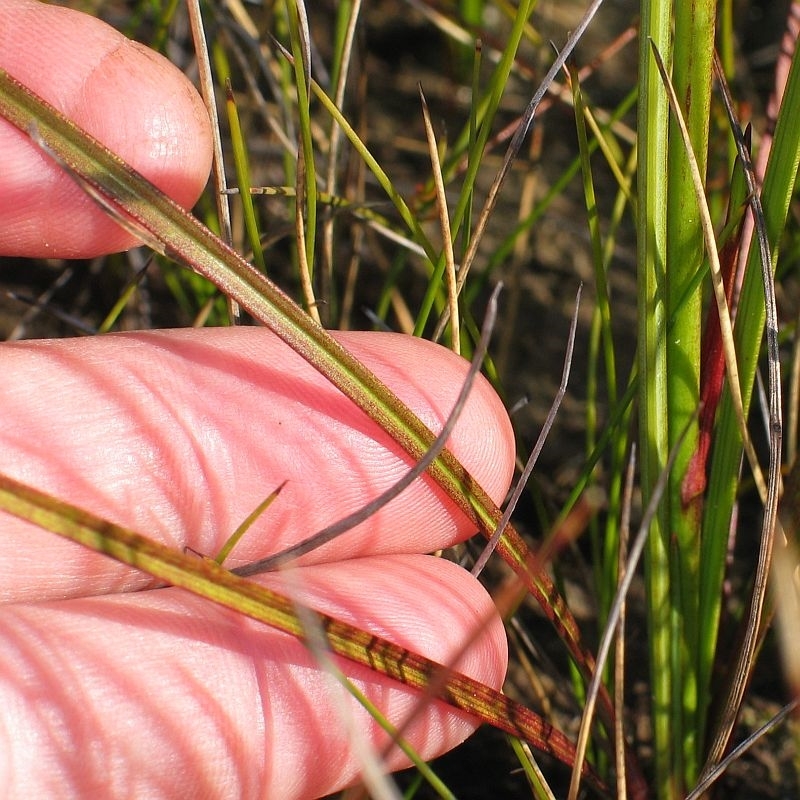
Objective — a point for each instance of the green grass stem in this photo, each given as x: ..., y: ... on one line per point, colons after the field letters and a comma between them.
x: 653, y: 144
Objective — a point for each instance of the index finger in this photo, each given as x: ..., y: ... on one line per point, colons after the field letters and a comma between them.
x: 181, y: 434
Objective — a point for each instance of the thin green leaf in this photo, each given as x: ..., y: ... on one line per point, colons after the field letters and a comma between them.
x: 653, y: 120
x: 183, y: 238
x: 242, y: 165
x: 236, y: 536
x: 207, y: 579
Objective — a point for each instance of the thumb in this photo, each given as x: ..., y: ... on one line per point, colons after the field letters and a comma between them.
x: 125, y: 95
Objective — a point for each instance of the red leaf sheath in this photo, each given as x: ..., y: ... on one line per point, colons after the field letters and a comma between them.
x: 712, y: 373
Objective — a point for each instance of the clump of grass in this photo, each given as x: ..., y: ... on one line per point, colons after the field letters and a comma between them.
x: 372, y: 217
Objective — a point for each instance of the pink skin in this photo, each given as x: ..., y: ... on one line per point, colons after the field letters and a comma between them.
x: 110, y: 692
x: 127, y: 96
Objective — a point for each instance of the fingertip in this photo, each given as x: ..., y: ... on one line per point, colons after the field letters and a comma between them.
x: 170, y: 138
x: 431, y: 607
x: 128, y: 97
x: 432, y: 377
x: 422, y: 602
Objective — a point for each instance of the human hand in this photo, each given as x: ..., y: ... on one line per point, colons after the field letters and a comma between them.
x: 110, y: 691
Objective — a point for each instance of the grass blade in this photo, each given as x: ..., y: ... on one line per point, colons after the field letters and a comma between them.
x: 206, y: 578
x: 182, y: 237
x: 653, y: 118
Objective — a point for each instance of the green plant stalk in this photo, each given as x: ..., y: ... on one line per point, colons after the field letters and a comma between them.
x: 163, y: 23
x: 380, y: 175
x: 715, y: 545
x: 471, y: 11
x: 613, y: 431
x: 653, y: 121
x: 347, y: 14
x: 444, y: 224
x: 611, y: 149
x: 396, y: 268
x: 344, y: 10
x: 727, y: 38
x: 514, y: 148
x: 287, y: 91
x: 478, y: 146
x: 180, y: 236
x: 472, y: 137
x: 692, y: 51
x: 484, y: 109
x: 204, y: 577
x: 605, y: 569
x: 602, y: 581
x: 536, y: 780
x: 309, y: 174
x: 242, y: 166
x: 122, y: 301
x: 502, y: 252
x: 618, y: 466
x: 777, y: 190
